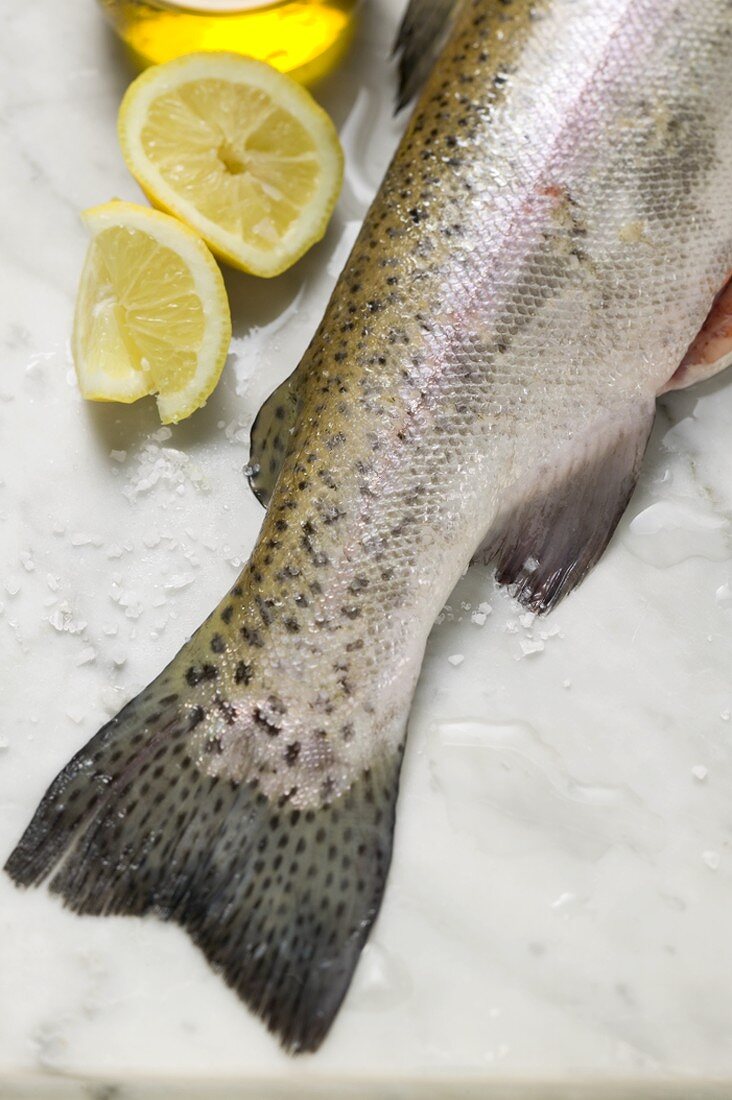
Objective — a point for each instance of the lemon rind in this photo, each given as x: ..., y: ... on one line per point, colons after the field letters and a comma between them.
x: 209, y: 287
x: 312, y: 221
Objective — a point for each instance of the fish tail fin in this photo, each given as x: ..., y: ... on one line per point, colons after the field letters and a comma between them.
x: 279, y: 899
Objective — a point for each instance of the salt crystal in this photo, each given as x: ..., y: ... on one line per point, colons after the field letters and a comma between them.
x: 87, y: 656
x: 456, y: 659
x: 76, y: 712
x: 62, y: 619
x: 26, y: 560
x: 529, y: 646
x: 112, y: 699
x: 58, y: 529
x: 724, y: 715
x: 110, y: 630
x: 711, y: 858
x: 162, y: 435
x: 4, y: 744
x: 53, y: 582
x: 118, y: 456
x: 484, y: 608
x: 700, y: 772
x: 118, y: 658
x: 724, y: 595
x: 531, y: 565
x: 12, y: 586
x: 114, y: 550
x: 566, y: 684
x: 478, y: 617
x: 179, y: 580
x: 527, y: 619
x: 56, y: 620
x: 151, y: 541
x: 82, y: 538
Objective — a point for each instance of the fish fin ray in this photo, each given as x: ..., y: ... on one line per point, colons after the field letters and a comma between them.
x: 269, y: 437
x: 548, y: 542
x: 279, y: 900
x: 420, y: 37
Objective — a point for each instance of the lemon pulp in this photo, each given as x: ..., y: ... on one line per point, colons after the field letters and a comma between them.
x: 151, y: 315
x: 239, y: 152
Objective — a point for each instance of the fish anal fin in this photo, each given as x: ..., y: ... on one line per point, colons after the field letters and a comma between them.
x: 269, y: 437
x: 421, y: 34
x: 711, y: 350
x: 550, y: 539
x: 280, y: 900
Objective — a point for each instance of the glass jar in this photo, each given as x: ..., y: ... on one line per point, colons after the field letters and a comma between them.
x: 305, y: 38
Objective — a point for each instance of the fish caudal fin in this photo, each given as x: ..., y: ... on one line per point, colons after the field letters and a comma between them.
x: 280, y: 900
x: 420, y: 37
x: 549, y: 541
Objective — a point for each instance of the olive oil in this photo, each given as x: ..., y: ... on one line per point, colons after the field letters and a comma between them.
x: 305, y: 38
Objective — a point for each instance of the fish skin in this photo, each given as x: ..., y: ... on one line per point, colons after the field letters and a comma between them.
x: 544, y: 248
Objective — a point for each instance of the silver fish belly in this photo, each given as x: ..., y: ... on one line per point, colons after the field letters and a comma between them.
x: 545, y: 247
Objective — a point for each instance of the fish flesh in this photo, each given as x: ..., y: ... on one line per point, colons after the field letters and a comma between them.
x: 536, y: 268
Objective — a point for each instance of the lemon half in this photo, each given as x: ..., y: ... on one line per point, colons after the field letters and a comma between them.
x: 240, y: 152
x: 152, y: 314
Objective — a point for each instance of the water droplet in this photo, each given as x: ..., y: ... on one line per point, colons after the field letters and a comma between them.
x: 670, y: 531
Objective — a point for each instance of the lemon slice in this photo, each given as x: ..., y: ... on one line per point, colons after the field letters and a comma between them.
x: 152, y: 314
x: 240, y: 152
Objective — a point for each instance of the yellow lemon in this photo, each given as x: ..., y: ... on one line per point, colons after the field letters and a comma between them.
x: 152, y: 314
x: 238, y: 151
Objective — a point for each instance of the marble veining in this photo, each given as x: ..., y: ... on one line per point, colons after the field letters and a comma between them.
x: 559, y: 901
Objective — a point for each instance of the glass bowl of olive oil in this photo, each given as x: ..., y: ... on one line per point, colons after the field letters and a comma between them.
x: 305, y: 38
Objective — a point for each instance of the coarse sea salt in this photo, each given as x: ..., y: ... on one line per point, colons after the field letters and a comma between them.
x: 179, y: 580
x: 456, y: 659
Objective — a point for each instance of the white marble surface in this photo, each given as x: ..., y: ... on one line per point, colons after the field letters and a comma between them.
x: 559, y: 903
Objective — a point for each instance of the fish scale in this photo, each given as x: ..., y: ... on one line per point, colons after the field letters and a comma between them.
x: 545, y: 247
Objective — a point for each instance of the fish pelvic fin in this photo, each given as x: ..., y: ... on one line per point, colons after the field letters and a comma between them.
x: 269, y: 438
x: 279, y: 899
x: 421, y: 36
x: 550, y: 540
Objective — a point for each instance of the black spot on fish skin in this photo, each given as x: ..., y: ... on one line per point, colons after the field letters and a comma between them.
x: 253, y: 637
x: 197, y: 715
x: 218, y: 645
x: 227, y: 614
x: 292, y: 752
x: 229, y: 712
x: 196, y: 675
x: 243, y: 673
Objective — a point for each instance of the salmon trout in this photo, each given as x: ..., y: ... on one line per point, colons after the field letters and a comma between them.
x: 553, y: 231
